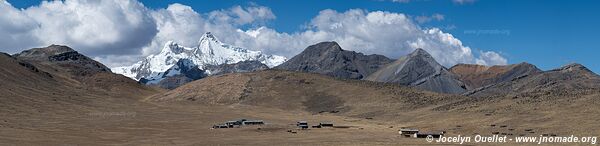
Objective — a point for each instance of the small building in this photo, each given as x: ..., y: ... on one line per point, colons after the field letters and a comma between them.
x: 231, y: 124
x: 253, y: 122
x: 326, y: 124
x: 407, y: 132
x: 220, y: 126
x: 239, y: 123
x: 302, y: 124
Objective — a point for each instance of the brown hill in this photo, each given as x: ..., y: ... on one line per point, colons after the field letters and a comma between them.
x: 40, y: 80
x: 62, y: 59
x: 476, y: 76
x: 76, y: 69
x: 572, y: 79
x: 303, y: 91
x: 324, y: 95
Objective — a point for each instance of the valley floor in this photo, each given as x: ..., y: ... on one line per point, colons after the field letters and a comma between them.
x: 143, y: 123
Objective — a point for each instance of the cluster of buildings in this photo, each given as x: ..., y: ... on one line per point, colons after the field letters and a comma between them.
x: 238, y: 123
x: 244, y: 122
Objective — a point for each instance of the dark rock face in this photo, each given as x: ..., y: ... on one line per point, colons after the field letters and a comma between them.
x: 330, y: 59
x: 477, y: 76
x: 182, y: 72
x: 243, y: 66
x: 43, y: 53
x: 186, y: 71
x: 568, y: 79
x: 65, y: 57
x: 419, y: 69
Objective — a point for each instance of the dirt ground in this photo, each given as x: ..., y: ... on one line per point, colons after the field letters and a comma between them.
x: 191, y: 125
x: 143, y: 123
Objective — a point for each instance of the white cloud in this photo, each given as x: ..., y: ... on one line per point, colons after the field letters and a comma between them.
x: 121, y: 32
x: 177, y: 22
x: 94, y: 27
x: 238, y: 15
x: 15, y: 26
x: 425, y: 19
x: 490, y: 58
x: 378, y: 32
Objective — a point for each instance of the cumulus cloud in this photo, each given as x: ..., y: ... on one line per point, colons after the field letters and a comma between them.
x: 178, y: 23
x: 15, y: 26
x: 490, y: 58
x: 183, y: 25
x: 238, y: 15
x: 377, y: 32
x: 94, y: 27
x: 121, y: 32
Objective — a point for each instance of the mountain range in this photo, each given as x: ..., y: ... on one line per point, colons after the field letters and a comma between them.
x: 209, y: 52
x: 177, y: 65
x: 59, y: 95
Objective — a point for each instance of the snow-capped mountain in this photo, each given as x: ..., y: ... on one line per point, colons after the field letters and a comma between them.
x: 210, y: 51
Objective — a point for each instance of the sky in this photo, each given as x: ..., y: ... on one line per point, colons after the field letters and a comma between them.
x: 548, y: 33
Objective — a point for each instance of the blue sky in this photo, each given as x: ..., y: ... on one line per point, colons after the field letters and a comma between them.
x: 547, y: 33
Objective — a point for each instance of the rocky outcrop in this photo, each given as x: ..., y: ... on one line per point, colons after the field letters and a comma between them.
x: 330, y: 59
x: 64, y: 57
x: 419, y: 69
x: 477, y: 76
x: 185, y: 71
x: 244, y: 66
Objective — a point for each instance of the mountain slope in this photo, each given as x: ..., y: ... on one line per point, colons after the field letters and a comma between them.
x: 476, y: 76
x: 210, y: 51
x: 63, y: 58
x: 56, y: 82
x: 310, y: 92
x: 330, y: 59
x: 242, y: 66
x: 570, y: 79
x: 185, y: 71
x: 74, y: 69
x: 182, y: 72
x: 420, y: 70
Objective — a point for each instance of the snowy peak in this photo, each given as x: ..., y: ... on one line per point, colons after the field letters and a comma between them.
x: 173, y: 47
x: 209, y: 51
x: 208, y: 37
